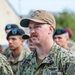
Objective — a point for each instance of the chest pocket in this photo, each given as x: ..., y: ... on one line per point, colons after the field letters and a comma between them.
x: 51, y: 71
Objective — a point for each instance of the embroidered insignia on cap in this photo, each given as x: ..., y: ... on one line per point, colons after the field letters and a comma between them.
x: 35, y: 14
x: 58, y: 31
x: 8, y: 26
x: 14, y: 31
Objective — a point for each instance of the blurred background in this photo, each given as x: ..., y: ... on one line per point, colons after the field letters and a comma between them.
x: 12, y: 11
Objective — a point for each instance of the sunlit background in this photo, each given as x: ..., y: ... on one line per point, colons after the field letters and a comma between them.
x: 12, y: 11
x: 23, y: 7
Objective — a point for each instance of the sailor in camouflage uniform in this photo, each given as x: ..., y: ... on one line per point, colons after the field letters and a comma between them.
x: 48, y: 58
x: 5, y: 68
x: 18, y: 50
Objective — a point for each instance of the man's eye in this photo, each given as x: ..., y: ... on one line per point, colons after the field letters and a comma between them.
x: 30, y: 27
x: 59, y: 37
x: 36, y: 26
x: 13, y: 39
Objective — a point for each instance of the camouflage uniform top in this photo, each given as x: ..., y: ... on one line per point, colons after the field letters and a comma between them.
x: 59, y: 62
x: 6, y: 51
x: 71, y: 46
x: 5, y: 68
x: 15, y: 61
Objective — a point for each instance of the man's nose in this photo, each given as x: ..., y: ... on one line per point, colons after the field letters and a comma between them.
x: 32, y: 31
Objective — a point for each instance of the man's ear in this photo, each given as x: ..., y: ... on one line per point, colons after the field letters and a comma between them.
x: 51, y: 28
x: 23, y: 40
x: 67, y: 39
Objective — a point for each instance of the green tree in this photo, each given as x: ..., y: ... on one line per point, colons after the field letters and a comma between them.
x: 66, y: 19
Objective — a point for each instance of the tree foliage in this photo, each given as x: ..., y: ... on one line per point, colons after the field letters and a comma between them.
x: 66, y: 19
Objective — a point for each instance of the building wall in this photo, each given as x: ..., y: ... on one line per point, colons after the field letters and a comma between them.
x: 7, y: 16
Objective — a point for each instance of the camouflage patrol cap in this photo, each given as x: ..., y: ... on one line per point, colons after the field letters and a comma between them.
x: 39, y: 16
x: 17, y: 31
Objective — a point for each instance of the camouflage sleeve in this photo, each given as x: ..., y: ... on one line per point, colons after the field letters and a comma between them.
x: 71, y: 69
x: 68, y: 65
x: 6, y: 51
x: 5, y: 68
